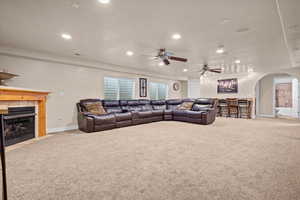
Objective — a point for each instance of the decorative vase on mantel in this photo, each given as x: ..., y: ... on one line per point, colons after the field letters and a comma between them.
x: 5, y: 76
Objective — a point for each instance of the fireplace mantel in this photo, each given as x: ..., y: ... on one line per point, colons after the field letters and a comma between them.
x: 23, y: 94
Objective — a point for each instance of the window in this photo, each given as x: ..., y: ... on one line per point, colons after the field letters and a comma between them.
x: 158, y: 91
x: 118, y: 88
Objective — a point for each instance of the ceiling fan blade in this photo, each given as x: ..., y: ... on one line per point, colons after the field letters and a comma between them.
x: 169, y: 54
x: 178, y: 59
x: 203, y: 72
x: 215, y: 71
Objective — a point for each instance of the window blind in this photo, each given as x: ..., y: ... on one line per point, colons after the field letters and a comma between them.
x: 158, y: 91
x: 118, y: 88
x: 126, y: 87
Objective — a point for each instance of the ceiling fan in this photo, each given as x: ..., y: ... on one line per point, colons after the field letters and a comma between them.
x: 166, y: 56
x: 206, y: 68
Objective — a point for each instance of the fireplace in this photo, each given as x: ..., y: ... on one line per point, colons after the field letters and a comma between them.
x: 19, y: 124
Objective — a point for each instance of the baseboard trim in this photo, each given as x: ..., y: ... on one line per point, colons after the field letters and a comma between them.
x: 62, y: 129
x: 268, y: 116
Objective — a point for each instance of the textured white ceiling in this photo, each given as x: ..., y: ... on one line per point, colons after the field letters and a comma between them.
x: 105, y: 32
x: 291, y: 21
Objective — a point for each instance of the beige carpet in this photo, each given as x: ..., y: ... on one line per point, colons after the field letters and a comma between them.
x: 232, y: 159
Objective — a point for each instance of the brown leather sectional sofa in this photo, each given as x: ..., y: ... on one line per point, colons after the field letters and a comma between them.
x: 133, y: 112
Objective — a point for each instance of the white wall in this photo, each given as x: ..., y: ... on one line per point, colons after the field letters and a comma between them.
x: 246, y: 85
x: 194, y: 88
x: 266, y: 99
x: 68, y: 84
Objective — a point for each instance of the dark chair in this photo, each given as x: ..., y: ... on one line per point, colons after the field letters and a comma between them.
x: 222, y: 108
x: 203, y: 112
x: 233, y: 107
x: 245, y: 108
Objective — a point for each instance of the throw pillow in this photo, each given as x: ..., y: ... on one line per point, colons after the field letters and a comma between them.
x: 185, y: 106
x: 95, y: 108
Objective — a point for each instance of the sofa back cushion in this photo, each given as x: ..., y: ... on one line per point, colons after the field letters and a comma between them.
x: 203, y: 104
x: 159, y: 104
x: 173, y: 103
x: 124, y: 105
x: 188, y: 100
x: 204, y: 101
x: 112, y: 106
x: 145, y: 104
x: 133, y: 105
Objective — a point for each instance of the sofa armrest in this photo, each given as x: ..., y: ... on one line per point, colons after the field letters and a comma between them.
x: 85, y: 122
x: 208, y: 116
x: 87, y: 114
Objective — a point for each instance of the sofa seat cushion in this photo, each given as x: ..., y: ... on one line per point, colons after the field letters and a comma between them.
x: 194, y: 114
x: 145, y: 114
x: 157, y: 112
x: 123, y: 116
x: 180, y: 113
x: 105, y: 119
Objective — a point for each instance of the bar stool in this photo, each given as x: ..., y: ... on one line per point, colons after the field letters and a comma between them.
x: 222, y: 108
x: 244, y: 106
x: 233, y: 107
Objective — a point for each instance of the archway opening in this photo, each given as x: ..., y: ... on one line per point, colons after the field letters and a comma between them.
x: 278, y: 96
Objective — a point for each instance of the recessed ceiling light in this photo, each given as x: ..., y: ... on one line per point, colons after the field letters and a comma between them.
x: 75, y: 5
x: 225, y: 21
x: 185, y: 70
x: 237, y: 61
x: 220, y: 50
x: 161, y: 64
x: 66, y: 36
x: 176, y: 36
x: 129, y: 53
x: 104, y: 1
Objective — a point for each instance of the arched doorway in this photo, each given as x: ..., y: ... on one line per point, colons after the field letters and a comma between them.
x: 278, y: 95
